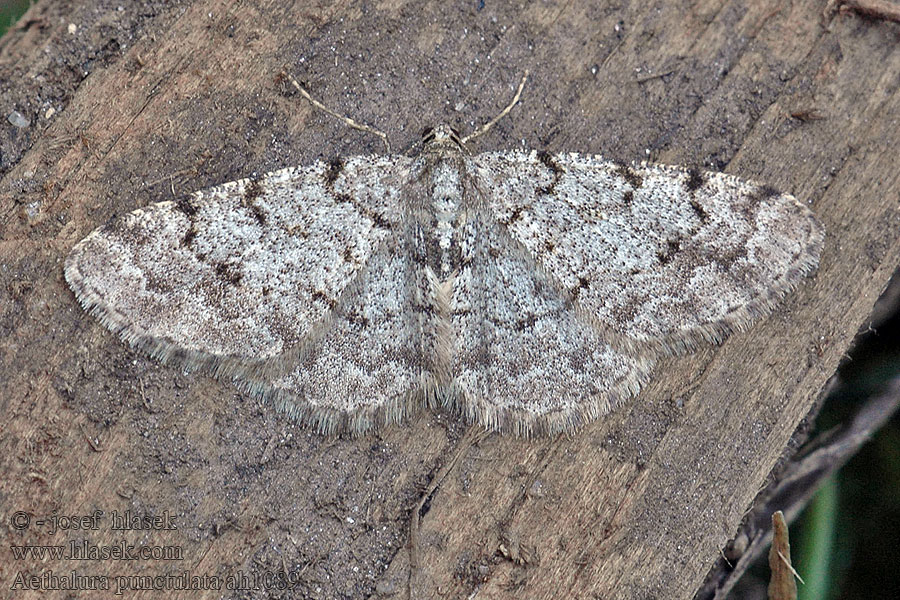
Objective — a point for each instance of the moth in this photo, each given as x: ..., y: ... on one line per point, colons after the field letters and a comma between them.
x: 529, y: 291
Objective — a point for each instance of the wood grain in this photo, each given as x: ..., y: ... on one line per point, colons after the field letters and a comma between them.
x: 161, y: 99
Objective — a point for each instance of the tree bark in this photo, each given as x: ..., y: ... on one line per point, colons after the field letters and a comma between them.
x: 128, y: 107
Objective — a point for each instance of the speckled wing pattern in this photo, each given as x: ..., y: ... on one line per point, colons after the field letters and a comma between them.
x: 252, y: 278
x: 524, y: 360
x: 531, y: 292
x: 652, y: 254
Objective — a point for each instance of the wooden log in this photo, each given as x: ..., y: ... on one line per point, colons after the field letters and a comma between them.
x: 157, y: 100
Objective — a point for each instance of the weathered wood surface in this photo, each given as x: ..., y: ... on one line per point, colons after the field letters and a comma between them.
x: 160, y: 99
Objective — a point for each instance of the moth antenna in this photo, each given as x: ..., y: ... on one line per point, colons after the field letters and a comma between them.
x: 347, y: 120
x: 486, y: 127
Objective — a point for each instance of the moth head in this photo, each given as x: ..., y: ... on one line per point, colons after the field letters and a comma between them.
x: 442, y: 135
